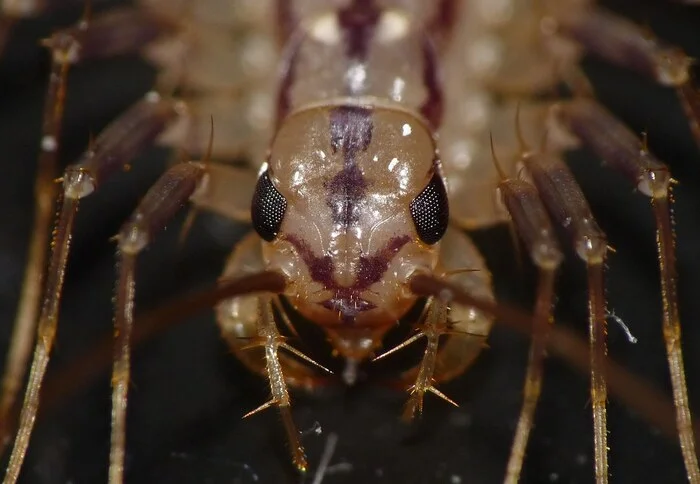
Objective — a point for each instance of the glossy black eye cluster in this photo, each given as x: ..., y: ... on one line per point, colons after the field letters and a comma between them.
x: 430, y: 211
x: 267, y: 208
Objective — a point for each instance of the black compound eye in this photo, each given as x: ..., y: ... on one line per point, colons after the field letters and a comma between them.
x: 430, y: 211
x: 267, y: 208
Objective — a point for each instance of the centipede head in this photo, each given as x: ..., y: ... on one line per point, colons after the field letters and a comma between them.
x: 350, y: 204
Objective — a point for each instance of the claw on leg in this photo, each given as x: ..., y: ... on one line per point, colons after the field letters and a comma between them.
x: 415, y: 401
x: 436, y: 324
x: 259, y: 409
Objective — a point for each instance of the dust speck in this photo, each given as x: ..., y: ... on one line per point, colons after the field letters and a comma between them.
x: 460, y: 419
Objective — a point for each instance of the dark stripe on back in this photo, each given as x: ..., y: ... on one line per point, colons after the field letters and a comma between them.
x: 286, y: 21
x: 432, y: 108
x: 443, y: 23
x: 358, y: 21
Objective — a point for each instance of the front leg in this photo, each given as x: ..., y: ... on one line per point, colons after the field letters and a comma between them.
x: 271, y: 340
x: 463, y: 328
x: 436, y: 324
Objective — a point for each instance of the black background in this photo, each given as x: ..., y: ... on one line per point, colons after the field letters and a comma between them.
x: 188, y: 393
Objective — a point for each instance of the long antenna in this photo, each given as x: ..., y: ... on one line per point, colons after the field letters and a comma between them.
x: 496, y: 163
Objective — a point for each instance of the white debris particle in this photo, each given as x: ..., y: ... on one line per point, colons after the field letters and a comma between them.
x: 553, y: 477
x: 460, y: 419
x: 315, y: 429
x: 339, y: 468
x: 630, y: 337
x: 325, y: 458
x: 152, y: 96
x: 49, y: 144
x: 581, y: 459
x: 455, y: 479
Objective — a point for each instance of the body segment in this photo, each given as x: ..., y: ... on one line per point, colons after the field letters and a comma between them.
x: 365, y: 125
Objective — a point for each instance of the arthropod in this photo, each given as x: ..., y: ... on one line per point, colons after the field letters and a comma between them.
x: 325, y: 33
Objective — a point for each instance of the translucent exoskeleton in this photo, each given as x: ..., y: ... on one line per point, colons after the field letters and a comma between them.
x: 365, y: 124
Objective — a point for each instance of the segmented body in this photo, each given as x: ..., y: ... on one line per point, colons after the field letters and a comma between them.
x: 363, y: 60
x: 481, y: 129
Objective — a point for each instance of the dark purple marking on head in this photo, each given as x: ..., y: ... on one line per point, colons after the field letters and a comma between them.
x: 347, y: 305
x: 373, y: 267
x: 346, y: 300
x: 358, y: 21
x: 351, y: 132
x: 345, y: 190
x: 432, y: 108
x: 320, y: 268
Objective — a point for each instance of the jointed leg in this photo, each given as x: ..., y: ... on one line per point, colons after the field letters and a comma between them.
x: 117, y: 145
x: 161, y: 202
x: 238, y: 319
x: 568, y: 207
x: 534, y: 227
x: 45, y: 190
x: 271, y: 340
x: 63, y: 47
x: 464, y: 329
x: 90, y: 39
x: 248, y: 325
x: 616, y: 144
x: 435, y: 325
x: 279, y: 368
x: 621, y: 42
x: 564, y: 343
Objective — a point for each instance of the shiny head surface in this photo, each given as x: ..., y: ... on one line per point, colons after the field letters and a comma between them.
x: 350, y: 204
